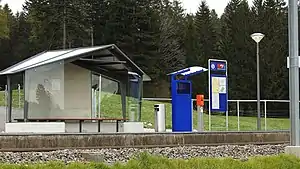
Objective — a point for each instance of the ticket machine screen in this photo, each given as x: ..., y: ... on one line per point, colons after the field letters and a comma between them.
x: 183, y: 88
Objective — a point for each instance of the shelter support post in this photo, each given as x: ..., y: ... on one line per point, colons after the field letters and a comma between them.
x: 140, y: 99
x: 25, y: 106
x: 9, y: 100
x: 123, y: 97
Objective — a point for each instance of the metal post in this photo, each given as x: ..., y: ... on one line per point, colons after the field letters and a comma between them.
x: 25, y: 106
x: 209, y: 118
x: 294, y: 72
x: 123, y: 97
x: 227, y: 128
x: 5, y: 95
x: 19, y: 93
x: 9, y: 100
x: 99, y: 96
x: 140, y: 98
x: 238, y: 113
x: 93, y: 103
x: 265, y: 107
x: 258, y: 87
x: 209, y: 103
x: 200, y: 119
x: 200, y: 106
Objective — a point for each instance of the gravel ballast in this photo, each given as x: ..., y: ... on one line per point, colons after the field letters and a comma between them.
x: 124, y: 154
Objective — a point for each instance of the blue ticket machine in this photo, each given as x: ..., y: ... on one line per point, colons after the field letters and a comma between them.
x: 181, y: 91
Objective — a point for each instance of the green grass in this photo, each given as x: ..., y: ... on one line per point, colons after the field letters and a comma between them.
x: 111, y: 107
x: 145, y: 161
x: 15, y: 99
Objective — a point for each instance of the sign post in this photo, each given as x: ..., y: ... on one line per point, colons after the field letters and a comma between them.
x: 218, y: 88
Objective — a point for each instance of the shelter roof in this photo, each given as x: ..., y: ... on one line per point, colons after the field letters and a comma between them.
x: 189, y: 71
x: 105, y: 57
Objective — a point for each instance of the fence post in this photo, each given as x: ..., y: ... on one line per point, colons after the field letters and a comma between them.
x: 19, y: 93
x: 227, y: 124
x: 238, y: 113
x: 265, y: 107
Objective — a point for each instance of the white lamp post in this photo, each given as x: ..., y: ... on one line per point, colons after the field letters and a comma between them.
x: 257, y: 37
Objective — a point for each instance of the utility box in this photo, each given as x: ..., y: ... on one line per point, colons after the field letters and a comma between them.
x: 181, y: 90
x: 160, y: 117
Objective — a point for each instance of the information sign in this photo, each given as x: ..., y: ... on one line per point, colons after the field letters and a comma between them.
x: 218, y: 95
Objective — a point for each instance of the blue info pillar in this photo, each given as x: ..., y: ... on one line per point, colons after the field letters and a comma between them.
x: 181, y: 91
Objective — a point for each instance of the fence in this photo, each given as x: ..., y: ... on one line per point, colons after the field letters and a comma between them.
x: 17, y: 96
x: 237, y: 105
x: 236, y: 108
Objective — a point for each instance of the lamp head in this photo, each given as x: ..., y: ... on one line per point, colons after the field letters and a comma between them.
x: 257, y: 37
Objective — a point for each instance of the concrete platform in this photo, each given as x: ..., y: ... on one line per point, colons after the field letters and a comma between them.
x: 293, y: 150
x: 36, y: 142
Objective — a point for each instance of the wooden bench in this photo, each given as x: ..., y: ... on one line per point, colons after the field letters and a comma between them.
x: 81, y: 120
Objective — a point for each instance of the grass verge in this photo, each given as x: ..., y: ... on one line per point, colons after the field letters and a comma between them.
x: 145, y: 161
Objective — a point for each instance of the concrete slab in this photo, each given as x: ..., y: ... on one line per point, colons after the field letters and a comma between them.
x: 16, y: 113
x: 35, y: 127
x: 293, y: 150
x: 93, y: 156
x: 133, y: 127
x: 149, y: 130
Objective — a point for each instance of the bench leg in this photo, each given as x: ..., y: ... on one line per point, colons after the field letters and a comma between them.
x: 99, y: 121
x: 117, y: 127
x: 80, y: 126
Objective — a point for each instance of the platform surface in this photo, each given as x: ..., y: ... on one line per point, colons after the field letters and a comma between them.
x: 114, y: 140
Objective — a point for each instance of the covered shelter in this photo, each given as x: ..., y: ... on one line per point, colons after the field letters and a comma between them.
x: 62, y: 83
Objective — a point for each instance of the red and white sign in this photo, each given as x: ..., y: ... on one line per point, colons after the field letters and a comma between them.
x: 220, y: 66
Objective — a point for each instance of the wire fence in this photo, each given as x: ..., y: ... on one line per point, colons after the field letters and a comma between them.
x: 242, y: 115
x: 17, y: 96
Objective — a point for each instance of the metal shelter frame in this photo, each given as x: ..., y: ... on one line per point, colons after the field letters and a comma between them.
x: 107, y: 60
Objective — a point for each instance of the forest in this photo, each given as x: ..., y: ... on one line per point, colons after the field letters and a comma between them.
x: 160, y: 37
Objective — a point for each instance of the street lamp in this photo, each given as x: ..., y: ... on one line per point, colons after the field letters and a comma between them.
x: 257, y: 37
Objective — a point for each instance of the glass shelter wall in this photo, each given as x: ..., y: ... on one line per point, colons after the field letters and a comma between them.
x: 106, y: 97
x: 44, y: 91
x: 58, y: 90
x: 134, y: 98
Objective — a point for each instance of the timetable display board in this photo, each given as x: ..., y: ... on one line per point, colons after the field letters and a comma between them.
x: 218, y: 85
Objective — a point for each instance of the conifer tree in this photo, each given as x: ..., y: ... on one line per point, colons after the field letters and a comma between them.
x: 206, y: 45
x: 4, y: 30
x: 274, y: 74
x: 236, y: 46
x: 171, y: 38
